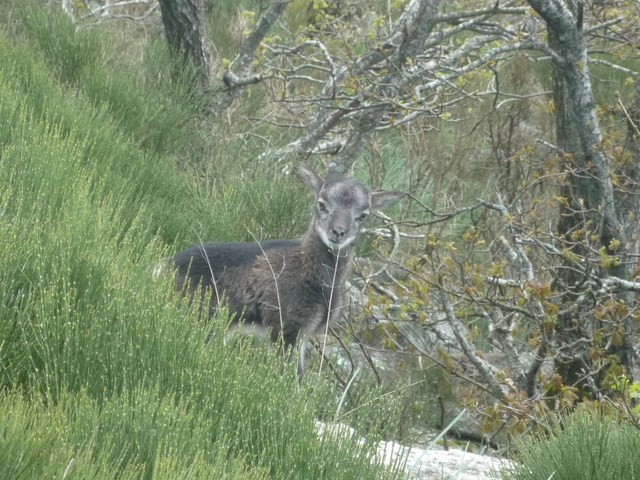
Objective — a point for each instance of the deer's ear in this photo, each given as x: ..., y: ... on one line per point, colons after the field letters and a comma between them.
x: 310, y: 178
x: 380, y: 200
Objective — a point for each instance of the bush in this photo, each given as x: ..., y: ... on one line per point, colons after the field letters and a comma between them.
x: 588, y: 446
x: 104, y: 372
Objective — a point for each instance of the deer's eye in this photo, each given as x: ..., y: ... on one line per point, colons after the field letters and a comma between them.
x: 361, y: 217
x: 322, y: 207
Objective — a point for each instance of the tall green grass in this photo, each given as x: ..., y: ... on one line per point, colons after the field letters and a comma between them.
x: 104, y: 371
x: 151, y: 106
x: 588, y: 446
x: 35, y: 109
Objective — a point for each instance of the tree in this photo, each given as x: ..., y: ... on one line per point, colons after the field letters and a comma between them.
x: 590, y: 205
x: 184, y: 28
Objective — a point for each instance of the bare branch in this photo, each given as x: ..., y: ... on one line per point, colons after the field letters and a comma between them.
x: 240, y: 68
x: 485, y: 368
x: 615, y: 283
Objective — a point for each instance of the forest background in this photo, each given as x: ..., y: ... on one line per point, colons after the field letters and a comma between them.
x: 505, y: 286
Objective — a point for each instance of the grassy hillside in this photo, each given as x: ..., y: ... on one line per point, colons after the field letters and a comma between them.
x: 103, y: 372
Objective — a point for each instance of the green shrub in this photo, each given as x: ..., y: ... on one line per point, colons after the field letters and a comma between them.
x: 588, y: 446
x: 253, y: 206
x: 69, y: 51
x: 104, y: 371
x: 150, y: 108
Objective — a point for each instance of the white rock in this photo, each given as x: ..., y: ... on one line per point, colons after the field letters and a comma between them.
x: 427, y: 464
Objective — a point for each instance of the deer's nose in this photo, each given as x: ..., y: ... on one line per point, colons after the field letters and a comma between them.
x: 339, y: 232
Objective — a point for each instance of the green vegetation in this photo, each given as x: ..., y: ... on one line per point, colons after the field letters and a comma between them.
x: 588, y: 446
x: 110, y: 162
x: 103, y: 371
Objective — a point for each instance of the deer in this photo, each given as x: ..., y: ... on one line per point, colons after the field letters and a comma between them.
x: 288, y: 290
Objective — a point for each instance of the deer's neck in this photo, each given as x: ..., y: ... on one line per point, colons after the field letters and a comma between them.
x: 330, y: 266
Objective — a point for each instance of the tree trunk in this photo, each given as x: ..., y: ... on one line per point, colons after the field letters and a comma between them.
x: 184, y: 28
x: 590, y: 205
x: 629, y: 171
x: 629, y: 206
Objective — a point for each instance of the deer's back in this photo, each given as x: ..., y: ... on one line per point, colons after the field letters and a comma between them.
x: 204, y: 263
x: 275, y: 283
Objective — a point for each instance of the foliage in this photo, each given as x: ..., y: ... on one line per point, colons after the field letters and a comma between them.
x: 144, y: 103
x: 104, y: 372
x: 451, y: 102
x: 588, y: 446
